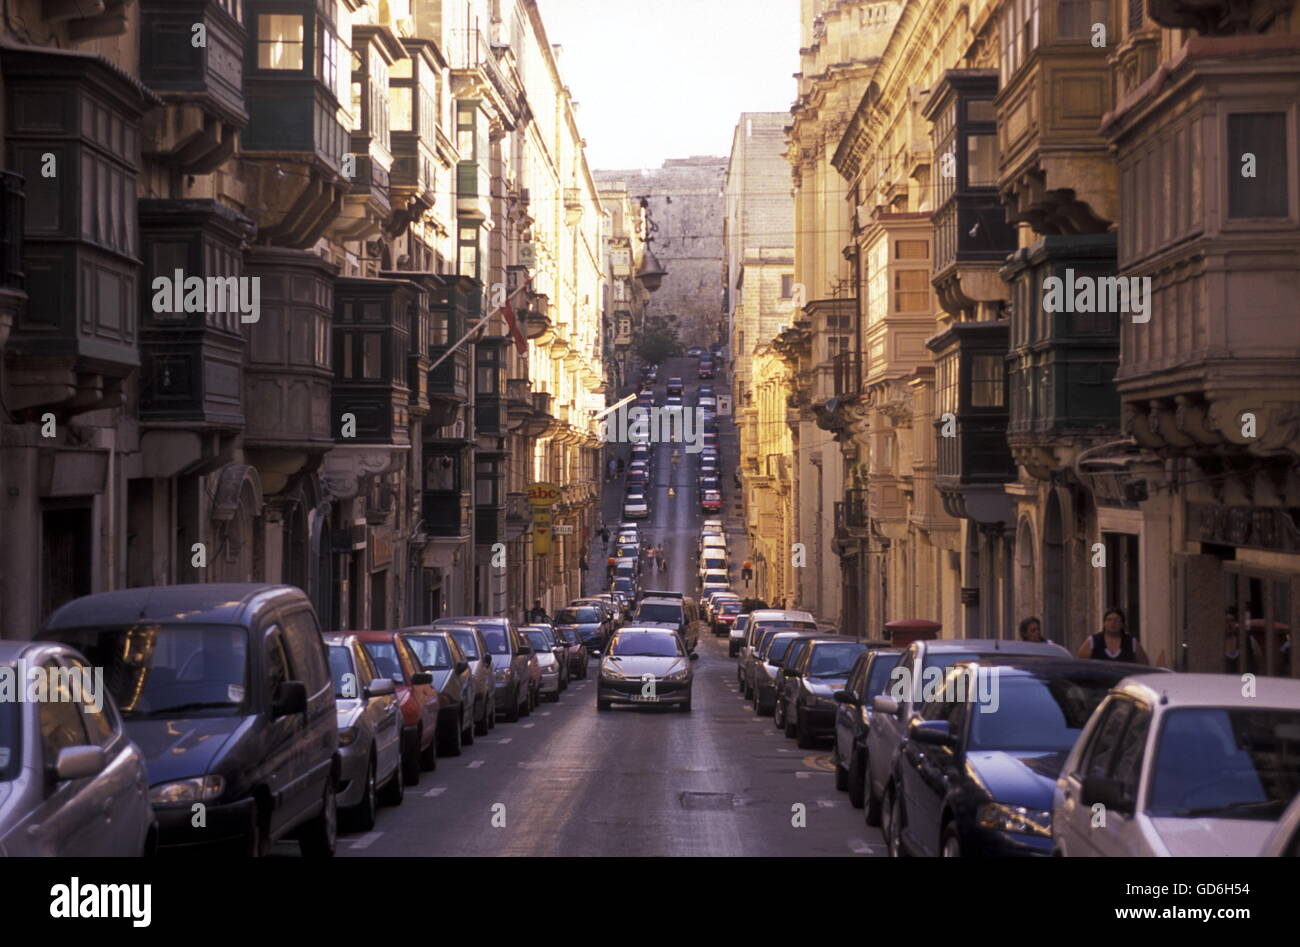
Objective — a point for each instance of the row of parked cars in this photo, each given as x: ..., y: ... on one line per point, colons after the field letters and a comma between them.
x: 989, y: 747
x: 220, y: 716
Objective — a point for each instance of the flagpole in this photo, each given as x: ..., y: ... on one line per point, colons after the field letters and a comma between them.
x: 478, y: 325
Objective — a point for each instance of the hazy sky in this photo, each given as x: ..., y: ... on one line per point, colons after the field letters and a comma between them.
x: 658, y: 79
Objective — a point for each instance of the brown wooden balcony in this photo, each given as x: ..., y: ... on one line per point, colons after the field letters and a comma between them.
x: 12, y: 283
x: 371, y: 342
x: 446, y: 513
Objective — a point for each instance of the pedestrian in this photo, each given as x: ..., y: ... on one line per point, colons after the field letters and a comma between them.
x: 611, y: 468
x: 582, y: 562
x: 663, y: 559
x: 604, y: 534
x: 1031, y: 629
x: 537, y: 613
x: 1113, y: 642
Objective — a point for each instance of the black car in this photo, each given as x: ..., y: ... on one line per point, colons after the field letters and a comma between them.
x: 587, y: 621
x: 977, y: 769
x: 807, y: 687
x: 868, y: 678
x: 227, y: 690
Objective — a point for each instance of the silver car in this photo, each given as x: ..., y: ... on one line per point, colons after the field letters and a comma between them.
x: 646, y: 666
x: 370, y: 730
x: 475, y: 650
x: 765, y: 619
x: 71, y: 780
x: 543, y: 647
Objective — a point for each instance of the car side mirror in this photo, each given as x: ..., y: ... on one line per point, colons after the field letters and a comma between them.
x: 931, y: 733
x: 79, y: 762
x: 694, y: 656
x: 884, y: 705
x: 290, y: 697
x: 421, y: 677
x: 487, y: 660
x: 1106, y: 791
x: 844, y: 697
x: 462, y: 667
x: 381, y: 687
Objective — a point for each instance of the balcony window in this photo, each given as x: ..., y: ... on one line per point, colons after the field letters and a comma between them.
x: 787, y: 286
x: 468, y: 245
x: 471, y: 133
x: 1075, y: 18
x: 878, y: 281
x: 988, y: 381
x: 400, y: 118
x: 328, y: 61
x: 487, y: 483
x: 911, y: 290
x: 443, y: 472
x: 280, y: 41
x: 1019, y: 35
x: 1264, y: 135
x: 981, y: 161
x: 362, y: 356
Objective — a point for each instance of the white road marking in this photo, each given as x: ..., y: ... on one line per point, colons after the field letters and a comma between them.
x: 527, y: 725
x: 435, y: 791
x: 863, y: 847
x: 805, y: 774
x: 476, y: 764
x: 546, y: 713
x: 826, y: 803
x: 366, y: 840
x: 506, y: 740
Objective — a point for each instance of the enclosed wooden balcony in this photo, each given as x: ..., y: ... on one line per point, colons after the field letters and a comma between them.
x: 372, y: 324
x: 898, y: 303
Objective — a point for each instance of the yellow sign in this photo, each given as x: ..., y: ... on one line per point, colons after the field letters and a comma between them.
x: 543, y: 494
x: 541, y: 532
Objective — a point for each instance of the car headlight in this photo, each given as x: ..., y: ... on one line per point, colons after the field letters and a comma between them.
x: 347, y: 736
x: 185, y: 792
x: 614, y: 675
x: 995, y: 815
x: 675, y: 676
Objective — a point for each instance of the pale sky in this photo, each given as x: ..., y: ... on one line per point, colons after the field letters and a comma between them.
x: 658, y: 79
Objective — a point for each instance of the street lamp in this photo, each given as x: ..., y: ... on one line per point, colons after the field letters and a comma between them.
x: 651, y: 273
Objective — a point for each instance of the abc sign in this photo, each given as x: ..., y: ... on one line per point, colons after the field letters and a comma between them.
x: 543, y: 494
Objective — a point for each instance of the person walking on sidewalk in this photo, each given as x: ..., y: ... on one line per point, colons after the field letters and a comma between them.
x: 663, y: 559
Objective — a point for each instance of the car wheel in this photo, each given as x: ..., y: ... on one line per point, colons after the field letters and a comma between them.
x: 362, y: 816
x: 411, y: 761
x: 467, y: 732
x: 951, y: 845
x: 841, y: 777
x: 450, y: 741
x: 259, y: 835
x: 321, y: 834
x: 856, y: 778
x: 687, y: 706
x: 789, y: 724
x: 394, y: 791
x: 429, y: 756
x: 513, y: 715
x: 492, y: 713
x: 803, y: 732
x: 602, y: 704
x: 526, y: 708
x: 778, y: 713
x: 482, y: 726
x: 893, y: 823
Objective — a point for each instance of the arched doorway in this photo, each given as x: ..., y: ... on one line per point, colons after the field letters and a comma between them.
x: 1025, y: 571
x: 1055, y: 620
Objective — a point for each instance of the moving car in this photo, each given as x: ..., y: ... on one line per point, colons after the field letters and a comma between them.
x: 512, y: 663
x: 853, y: 716
x: 226, y: 690
x: 548, y: 666
x: 976, y: 773
x: 675, y: 386
x: 72, y: 782
x: 678, y: 613
x: 920, y: 662
x: 1185, y: 766
x: 440, y: 655
x: 370, y: 732
x: 711, y: 501
x: 646, y: 665
x: 420, y: 703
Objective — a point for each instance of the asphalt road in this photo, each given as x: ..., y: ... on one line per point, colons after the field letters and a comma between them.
x: 634, y: 781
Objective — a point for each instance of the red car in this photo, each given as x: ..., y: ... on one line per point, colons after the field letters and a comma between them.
x: 711, y: 501
x: 418, y: 699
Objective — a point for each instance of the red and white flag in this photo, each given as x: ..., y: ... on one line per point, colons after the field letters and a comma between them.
x: 521, y: 343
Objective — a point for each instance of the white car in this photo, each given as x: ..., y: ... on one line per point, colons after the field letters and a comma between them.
x: 713, y: 560
x: 1180, y: 764
x: 717, y: 543
x: 1284, y: 842
x: 708, y: 525
x: 635, y: 506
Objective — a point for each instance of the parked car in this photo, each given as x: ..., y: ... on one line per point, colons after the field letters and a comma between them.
x: 559, y: 651
x: 627, y: 589
x: 72, y: 782
x: 1185, y: 765
x: 440, y: 655
x: 588, y: 621
x: 226, y: 690
x: 710, y: 501
x: 853, y: 714
x: 736, y: 638
x: 712, y: 608
x: 638, y: 656
x: 674, y: 386
x: 713, y: 560
x: 975, y: 774
x: 725, y: 615
x: 808, y: 687
x: 1284, y: 840
x: 894, y: 710
x: 575, y: 651
x: 370, y: 732
x: 419, y: 700
x: 769, y: 620
x: 472, y: 645
x: 548, y: 668
x: 512, y: 664
x: 767, y: 665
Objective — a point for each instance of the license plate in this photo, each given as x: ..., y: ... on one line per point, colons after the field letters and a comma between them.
x: 640, y: 699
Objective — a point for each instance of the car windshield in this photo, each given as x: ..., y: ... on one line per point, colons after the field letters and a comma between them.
x: 495, y: 640
x: 730, y: 608
x: 346, y: 685
x: 777, y: 648
x: 648, y: 644
x: 1227, y: 762
x: 878, y: 676
x: 653, y: 611
x: 431, y: 651
x: 578, y: 616
x: 384, y: 654
x: 834, y: 658
x: 537, y: 641
x: 467, y: 643
x: 10, y: 735
x: 162, y: 669
x: 566, y: 635
x: 623, y: 585
x: 1029, y: 713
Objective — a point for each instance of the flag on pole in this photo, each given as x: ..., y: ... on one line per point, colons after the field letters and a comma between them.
x: 513, y: 322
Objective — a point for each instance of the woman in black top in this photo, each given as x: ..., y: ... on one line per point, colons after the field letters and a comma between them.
x: 1113, y: 642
